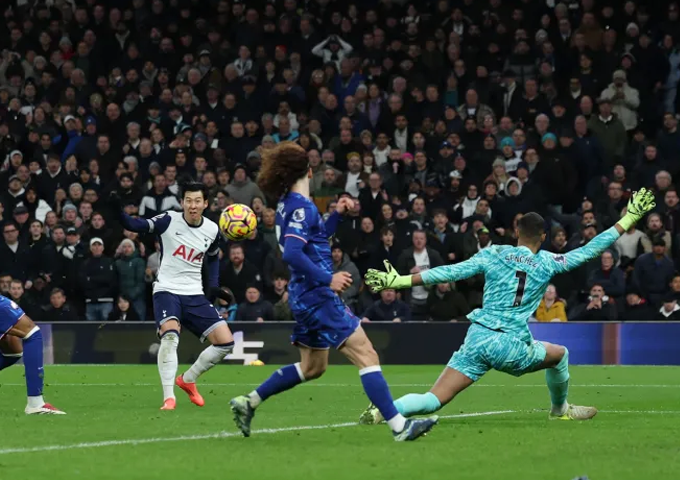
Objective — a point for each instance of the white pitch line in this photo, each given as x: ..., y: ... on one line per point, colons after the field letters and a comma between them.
x: 186, y: 438
x: 342, y: 385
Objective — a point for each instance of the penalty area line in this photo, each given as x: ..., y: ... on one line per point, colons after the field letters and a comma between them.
x: 188, y: 438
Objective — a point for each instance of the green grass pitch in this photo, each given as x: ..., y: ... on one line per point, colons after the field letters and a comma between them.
x: 114, y: 429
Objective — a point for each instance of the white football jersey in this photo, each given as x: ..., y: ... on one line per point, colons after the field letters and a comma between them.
x: 183, y: 249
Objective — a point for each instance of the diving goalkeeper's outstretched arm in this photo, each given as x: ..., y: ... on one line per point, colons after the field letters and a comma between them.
x: 639, y: 205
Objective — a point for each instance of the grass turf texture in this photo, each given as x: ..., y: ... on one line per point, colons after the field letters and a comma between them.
x: 120, y: 404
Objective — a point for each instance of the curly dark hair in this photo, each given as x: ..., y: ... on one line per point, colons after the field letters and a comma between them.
x: 282, y: 167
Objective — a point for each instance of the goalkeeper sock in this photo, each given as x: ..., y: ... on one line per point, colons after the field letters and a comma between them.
x: 557, y: 379
x: 281, y: 380
x: 417, y: 404
x: 9, y: 359
x: 208, y: 358
x: 379, y: 394
x: 167, y: 362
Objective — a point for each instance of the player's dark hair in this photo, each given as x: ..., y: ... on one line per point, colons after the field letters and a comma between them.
x: 282, y: 166
x: 531, y: 226
x: 194, y: 187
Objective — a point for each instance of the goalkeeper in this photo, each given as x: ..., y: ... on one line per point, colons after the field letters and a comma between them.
x: 499, y: 338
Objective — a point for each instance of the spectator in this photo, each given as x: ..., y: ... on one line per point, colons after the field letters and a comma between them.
x: 254, y: 308
x: 653, y: 272
x: 17, y: 294
x: 237, y: 272
x: 611, y: 132
x: 130, y: 270
x: 242, y: 189
x: 98, y: 281
x: 342, y: 263
x: 669, y: 310
x: 625, y: 99
x: 58, y: 309
x: 609, y: 277
x: 15, y: 255
x: 417, y: 259
x: 598, y: 307
x: 158, y: 200
x: 388, y: 309
x: 446, y: 304
x: 636, y: 307
x: 655, y: 229
x: 124, y: 311
x: 551, y: 308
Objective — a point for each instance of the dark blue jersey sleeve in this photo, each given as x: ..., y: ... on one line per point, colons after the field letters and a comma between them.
x: 296, y: 236
x: 157, y: 224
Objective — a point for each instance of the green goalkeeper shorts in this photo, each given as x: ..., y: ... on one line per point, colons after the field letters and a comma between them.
x: 486, y: 349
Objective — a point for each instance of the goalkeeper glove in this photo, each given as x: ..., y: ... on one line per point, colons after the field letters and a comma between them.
x: 639, y: 205
x: 390, y: 278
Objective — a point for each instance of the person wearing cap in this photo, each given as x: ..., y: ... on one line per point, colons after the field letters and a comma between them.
x: 610, y: 131
x: 242, y: 189
x: 21, y: 216
x: 98, y: 281
x: 15, y: 193
x: 653, y: 272
x: 130, y: 270
x: 669, y: 310
x: 625, y: 99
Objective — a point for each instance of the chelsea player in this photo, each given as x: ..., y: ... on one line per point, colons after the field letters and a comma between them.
x: 322, y: 319
x: 19, y: 336
x: 515, y: 280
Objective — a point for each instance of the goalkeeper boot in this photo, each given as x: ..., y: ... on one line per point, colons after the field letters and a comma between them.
x: 575, y: 412
x: 416, y: 428
x: 243, y: 413
x: 371, y: 416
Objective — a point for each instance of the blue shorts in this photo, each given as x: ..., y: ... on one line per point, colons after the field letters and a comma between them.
x: 10, y: 313
x: 193, y: 312
x: 328, y: 324
x: 486, y: 349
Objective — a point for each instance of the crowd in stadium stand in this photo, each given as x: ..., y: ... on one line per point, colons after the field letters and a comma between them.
x: 444, y: 120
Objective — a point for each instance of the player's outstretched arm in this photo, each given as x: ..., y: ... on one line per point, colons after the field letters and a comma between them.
x: 390, y: 278
x: 641, y: 203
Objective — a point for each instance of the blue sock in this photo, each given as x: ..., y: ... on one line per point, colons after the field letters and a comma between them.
x: 33, y: 362
x: 281, y: 380
x: 557, y: 379
x: 9, y: 359
x: 379, y: 394
x: 417, y: 404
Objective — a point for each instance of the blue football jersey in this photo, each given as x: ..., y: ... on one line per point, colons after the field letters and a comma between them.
x: 297, y: 216
x: 515, y: 279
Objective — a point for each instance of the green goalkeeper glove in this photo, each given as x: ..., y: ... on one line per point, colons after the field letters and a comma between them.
x: 390, y: 278
x: 639, y: 205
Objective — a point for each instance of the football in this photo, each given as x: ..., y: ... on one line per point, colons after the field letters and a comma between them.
x: 237, y: 221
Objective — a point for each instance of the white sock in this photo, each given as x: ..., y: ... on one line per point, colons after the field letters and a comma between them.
x: 36, y: 402
x: 167, y: 363
x: 255, y: 399
x: 559, y: 409
x: 208, y: 358
x: 397, y: 423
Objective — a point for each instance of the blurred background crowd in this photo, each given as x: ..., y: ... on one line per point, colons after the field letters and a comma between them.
x: 445, y: 120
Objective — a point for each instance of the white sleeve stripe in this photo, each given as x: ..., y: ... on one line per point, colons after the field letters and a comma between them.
x: 151, y: 226
x: 212, y: 253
